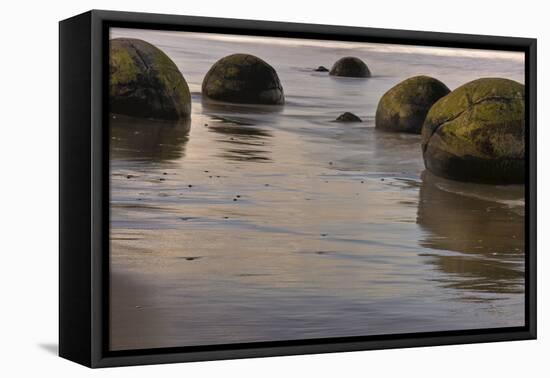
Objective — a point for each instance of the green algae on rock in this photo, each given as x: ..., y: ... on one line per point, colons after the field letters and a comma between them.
x: 403, y: 108
x: 145, y: 82
x: 477, y: 133
x: 350, y: 66
x: 347, y: 117
x: 245, y: 79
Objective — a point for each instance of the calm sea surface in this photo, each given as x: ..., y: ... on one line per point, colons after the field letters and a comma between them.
x: 268, y: 224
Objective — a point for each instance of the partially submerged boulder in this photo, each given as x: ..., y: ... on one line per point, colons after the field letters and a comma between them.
x: 477, y: 133
x: 243, y: 78
x: 404, y: 107
x: 348, y: 117
x: 350, y: 66
x: 145, y: 82
x: 321, y: 69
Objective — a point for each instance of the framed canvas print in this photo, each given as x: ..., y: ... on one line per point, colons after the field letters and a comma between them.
x: 234, y: 188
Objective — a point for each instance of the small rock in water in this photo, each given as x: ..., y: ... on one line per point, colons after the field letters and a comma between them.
x: 192, y: 258
x: 129, y: 176
x: 348, y: 117
x: 321, y: 69
x: 190, y: 185
x: 164, y: 173
x: 323, y: 234
x: 350, y: 66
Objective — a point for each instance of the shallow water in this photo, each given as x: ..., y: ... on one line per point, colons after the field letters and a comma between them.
x: 265, y: 223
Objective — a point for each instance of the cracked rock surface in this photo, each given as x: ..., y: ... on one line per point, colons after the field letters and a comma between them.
x: 243, y: 78
x: 145, y: 82
x: 477, y: 133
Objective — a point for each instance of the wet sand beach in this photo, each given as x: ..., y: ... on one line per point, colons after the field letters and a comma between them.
x: 265, y: 223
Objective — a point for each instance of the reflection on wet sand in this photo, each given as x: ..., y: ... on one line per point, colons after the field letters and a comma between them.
x: 148, y: 140
x: 246, y: 141
x: 483, y: 224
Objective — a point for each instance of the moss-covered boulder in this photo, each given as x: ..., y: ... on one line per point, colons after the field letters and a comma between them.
x: 145, y: 82
x: 245, y: 79
x: 350, y: 66
x: 404, y: 107
x: 477, y: 133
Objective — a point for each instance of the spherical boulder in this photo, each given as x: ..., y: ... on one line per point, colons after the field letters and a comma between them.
x: 348, y: 117
x: 477, y: 133
x: 245, y: 79
x: 404, y: 107
x: 145, y: 82
x: 350, y: 66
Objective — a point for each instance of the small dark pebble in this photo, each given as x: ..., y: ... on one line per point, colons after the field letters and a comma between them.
x: 362, y: 182
x: 323, y: 234
x: 164, y: 173
x: 206, y: 171
x: 209, y: 176
x: 225, y: 217
x: 129, y: 176
x: 321, y: 69
x: 382, y: 179
x: 162, y: 179
x: 218, y: 176
x: 238, y: 196
x: 266, y: 184
x: 330, y: 162
x: 190, y: 185
x: 234, y: 199
x: 191, y: 258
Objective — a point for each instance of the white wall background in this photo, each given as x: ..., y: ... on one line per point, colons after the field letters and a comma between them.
x: 29, y: 186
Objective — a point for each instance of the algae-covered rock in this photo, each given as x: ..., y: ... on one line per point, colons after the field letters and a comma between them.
x: 145, y: 82
x: 348, y: 117
x: 404, y: 107
x: 350, y: 66
x: 245, y: 79
x: 477, y: 133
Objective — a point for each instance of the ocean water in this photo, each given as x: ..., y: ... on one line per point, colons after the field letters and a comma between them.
x: 274, y: 223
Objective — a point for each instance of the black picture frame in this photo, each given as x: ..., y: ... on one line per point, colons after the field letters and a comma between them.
x: 84, y: 188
